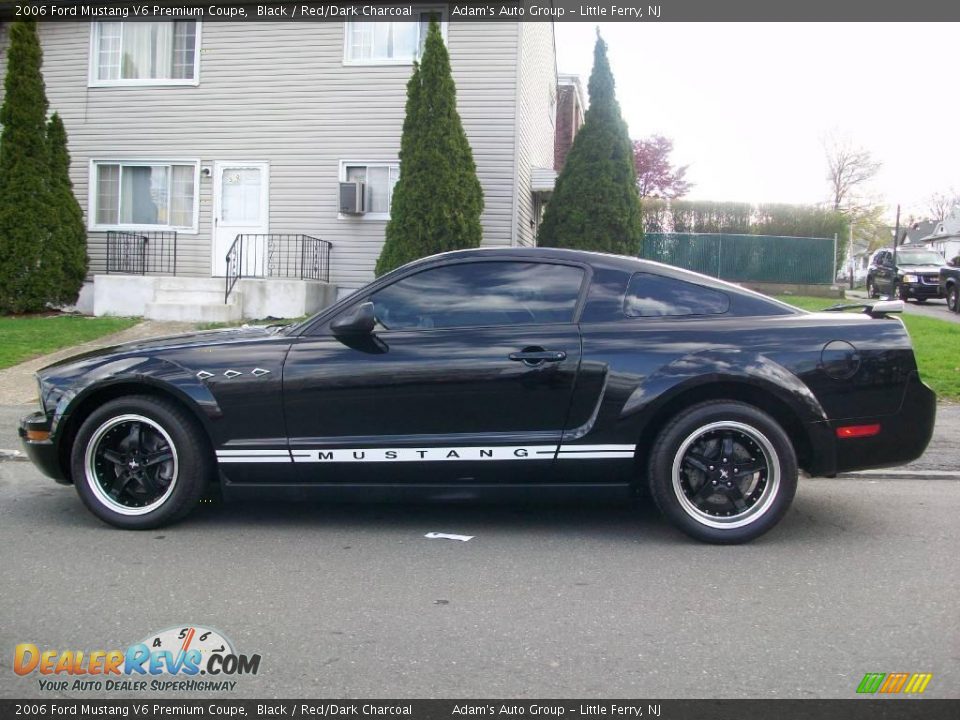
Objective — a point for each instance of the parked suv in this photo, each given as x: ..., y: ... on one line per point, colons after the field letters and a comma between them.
x: 916, y: 274
x: 950, y: 284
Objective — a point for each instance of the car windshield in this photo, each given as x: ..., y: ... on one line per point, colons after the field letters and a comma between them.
x: 919, y: 257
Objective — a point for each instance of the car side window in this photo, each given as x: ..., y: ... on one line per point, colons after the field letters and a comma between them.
x: 479, y: 294
x: 650, y: 295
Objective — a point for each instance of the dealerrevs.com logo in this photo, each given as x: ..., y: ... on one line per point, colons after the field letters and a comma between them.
x: 188, y: 658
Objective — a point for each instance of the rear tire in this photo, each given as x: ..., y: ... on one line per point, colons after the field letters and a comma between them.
x: 723, y: 472
x: 872, y: 291
x: 141, y: 462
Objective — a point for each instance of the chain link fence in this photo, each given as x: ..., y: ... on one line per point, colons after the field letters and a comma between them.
x: 746, y: 258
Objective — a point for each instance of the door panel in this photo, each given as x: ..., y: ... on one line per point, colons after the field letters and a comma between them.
x: 391, y: 407
x: 241, y: 207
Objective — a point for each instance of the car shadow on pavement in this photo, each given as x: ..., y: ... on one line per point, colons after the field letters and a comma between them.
x: 815, y: 517
x: 810, y: 519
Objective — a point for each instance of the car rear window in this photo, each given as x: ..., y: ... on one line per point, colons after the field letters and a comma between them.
x: 650, y: 295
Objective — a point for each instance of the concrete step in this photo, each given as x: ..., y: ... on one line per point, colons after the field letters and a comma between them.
x: 189, y: 296
x: 189, y: 284
x: 196, y: 312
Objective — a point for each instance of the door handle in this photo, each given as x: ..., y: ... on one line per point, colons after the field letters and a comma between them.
x: 535, y: 357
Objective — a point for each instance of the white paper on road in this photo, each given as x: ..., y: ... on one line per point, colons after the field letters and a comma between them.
x: 448, y: 536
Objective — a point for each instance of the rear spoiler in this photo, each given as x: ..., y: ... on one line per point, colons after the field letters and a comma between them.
x: 877, y: 309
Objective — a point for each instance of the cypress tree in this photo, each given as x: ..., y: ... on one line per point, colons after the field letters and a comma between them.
x: 595, y: 204
x: 26, y: 280
x: 69, y: 238
x: 437, y: 200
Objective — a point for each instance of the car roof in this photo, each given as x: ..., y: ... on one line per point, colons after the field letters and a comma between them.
x: 540, y: 253
x: 595, y: 259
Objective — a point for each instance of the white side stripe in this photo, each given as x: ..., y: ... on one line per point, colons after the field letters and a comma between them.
x: 254, y: 456
x: 428, y: 454
x: 605, y: 455
x: 594, y: 452
x: 258, y: 453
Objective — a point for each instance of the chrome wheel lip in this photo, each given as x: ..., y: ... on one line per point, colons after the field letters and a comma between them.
x: 90, y: 471
x: 760, y: 506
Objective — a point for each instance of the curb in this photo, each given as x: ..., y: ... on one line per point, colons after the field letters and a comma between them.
x: 901, y: 475
x: 13, y: 456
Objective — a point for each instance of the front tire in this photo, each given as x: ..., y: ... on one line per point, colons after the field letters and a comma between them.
x: 953, y: 299
x: 140, y: 462
x: 723, y: 472
x: 872, y: 289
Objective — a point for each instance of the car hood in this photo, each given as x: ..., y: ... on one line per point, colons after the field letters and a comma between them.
x: 156, y: 345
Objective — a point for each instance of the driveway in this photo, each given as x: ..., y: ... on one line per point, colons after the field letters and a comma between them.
x: 931, y: 308
x: 545, y: 601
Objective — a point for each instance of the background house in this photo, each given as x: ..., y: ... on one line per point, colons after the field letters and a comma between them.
x: 570, y: 116
x: 916, y: 233
x: 186, y: 135
x: 945, y: 238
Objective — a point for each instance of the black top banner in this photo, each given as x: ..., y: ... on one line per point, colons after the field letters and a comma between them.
x: 500, y: 10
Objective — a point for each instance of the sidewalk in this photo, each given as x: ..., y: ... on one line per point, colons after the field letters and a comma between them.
x: 19, y: 387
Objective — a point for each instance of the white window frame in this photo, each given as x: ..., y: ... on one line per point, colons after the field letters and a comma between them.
x: 93, y: 193
x: 347, y: 60
x: 94, y: 81
x: 378, y: 216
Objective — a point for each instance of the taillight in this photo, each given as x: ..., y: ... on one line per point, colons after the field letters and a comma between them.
x: 858, y: 431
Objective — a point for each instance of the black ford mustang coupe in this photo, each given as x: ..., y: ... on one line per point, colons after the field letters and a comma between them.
x: 496, y: 372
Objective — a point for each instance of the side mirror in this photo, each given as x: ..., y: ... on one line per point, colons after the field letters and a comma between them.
x: 358, y: 321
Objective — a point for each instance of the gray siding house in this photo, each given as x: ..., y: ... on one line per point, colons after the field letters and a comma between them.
x: 205, y: 131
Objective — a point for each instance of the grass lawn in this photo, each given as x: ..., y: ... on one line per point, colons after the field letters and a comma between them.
x: 936, y: 343
x: 29, y: 336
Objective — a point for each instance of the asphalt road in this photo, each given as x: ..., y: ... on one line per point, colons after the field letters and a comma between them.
x: 545, y: 601
x: 932, y: 308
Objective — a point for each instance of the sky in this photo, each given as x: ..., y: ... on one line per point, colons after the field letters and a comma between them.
x: 748, y: 105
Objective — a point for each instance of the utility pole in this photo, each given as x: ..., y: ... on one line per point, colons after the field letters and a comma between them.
x: 896, y: 237
x: 852, y: 262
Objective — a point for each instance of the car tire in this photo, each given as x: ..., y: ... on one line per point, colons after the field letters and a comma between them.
x: 744, y: 455
x: 872, y: 291
x: 899, y: 291
x: 953, y: 298
x: 141, y: 462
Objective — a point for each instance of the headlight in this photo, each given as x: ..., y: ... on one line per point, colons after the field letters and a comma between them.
x: 910, y: 278
x: 50, y: 395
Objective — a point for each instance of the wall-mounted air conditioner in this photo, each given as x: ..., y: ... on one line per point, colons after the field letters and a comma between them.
x: 351, y: 198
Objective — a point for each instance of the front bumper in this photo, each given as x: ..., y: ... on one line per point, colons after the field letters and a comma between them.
x: 42, y: 453
x: 921, y: 290
x: 902, y: 438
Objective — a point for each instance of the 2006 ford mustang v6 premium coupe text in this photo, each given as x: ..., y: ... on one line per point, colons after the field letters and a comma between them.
x: 524, y: 372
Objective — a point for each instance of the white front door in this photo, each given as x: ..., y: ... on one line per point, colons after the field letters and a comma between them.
x: 241, y: 206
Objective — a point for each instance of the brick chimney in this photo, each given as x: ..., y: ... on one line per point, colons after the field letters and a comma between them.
x: 569, y: 117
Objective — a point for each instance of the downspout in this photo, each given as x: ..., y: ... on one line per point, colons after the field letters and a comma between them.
x: 515, y: 213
